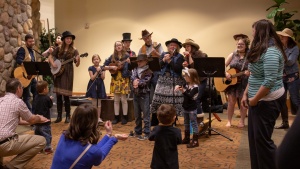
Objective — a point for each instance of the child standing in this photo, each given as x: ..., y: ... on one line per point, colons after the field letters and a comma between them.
x: 96, y: 88
x: 190, y: 94
x: 140, y: 78
x: 166, y: 137
x: 41, y: 106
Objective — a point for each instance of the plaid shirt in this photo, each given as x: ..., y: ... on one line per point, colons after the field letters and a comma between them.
x: 11, y: 109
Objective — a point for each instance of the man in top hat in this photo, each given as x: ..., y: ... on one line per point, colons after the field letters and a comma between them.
x: 26, y: 53
x: 151, y: 49
x: 127, y: 41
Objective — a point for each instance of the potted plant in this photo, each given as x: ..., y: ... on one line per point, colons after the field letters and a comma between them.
x: 283, y: 19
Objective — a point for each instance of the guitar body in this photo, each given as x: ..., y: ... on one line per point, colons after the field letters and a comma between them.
x: 59, y: 69
x: 221, y: 83
x: 111, y: 71
x: 119, y: 64
x: 20, y: 73
x: 56, y: 70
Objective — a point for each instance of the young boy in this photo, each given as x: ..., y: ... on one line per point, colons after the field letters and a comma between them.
x: 140, y: 78
x: 166, y: 137
x: 41, y: 106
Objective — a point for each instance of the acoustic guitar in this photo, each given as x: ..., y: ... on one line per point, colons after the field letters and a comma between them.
x: 24, y: 78
x: 119, y: 64
x: 221, y: 83
x: 59, y: 69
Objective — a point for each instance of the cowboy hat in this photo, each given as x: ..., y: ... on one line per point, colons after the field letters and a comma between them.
x: 191, y: 42
x: 67, y: 34
x: 174, y: 40
x: 145, y: 34
x: 286, y: 32
x: 126, y: 37
x: 238, y: 36
x: 141, y: 57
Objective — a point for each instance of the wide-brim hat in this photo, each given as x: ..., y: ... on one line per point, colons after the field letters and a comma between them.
x: 67, y: 34
x: 174, y: 40
x: 240, y: 35
x: 145, y: 34
x: 191, y: 42
x: 126, y: 37
x: 287, y: 32
x: 141, y: 57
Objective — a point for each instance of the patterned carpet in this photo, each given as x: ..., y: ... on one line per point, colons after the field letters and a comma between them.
x: 215, y: 151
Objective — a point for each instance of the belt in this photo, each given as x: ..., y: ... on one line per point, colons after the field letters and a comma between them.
x: 7, y: 139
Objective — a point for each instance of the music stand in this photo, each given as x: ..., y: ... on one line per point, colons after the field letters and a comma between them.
x: 210, y: 67
x: 37, y: 68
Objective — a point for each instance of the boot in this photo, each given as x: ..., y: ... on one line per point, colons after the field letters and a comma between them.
x: 186, y: 139
x: 67, y: 118
x: 284, y: 125
x: 58, y: 119
x: 194, y: 142
x: 124, y: 119
x: 116, y: 120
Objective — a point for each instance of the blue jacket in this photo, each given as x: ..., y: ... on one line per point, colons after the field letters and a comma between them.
x: 174, y: 67
x: 125, y: 71
x: 291, y: 66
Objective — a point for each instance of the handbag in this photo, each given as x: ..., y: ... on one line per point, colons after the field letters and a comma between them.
x: 79, y: 157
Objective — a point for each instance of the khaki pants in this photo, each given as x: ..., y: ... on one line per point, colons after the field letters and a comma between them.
x: 24, y: 146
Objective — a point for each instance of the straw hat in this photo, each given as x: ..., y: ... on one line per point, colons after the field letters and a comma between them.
x: 191, y: 42
x: 238, y: 36
x: 286, y: 32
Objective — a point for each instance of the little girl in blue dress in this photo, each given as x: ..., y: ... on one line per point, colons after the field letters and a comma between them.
x: 96, y: 88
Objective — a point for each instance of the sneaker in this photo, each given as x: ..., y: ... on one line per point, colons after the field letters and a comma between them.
x: 142, y: 138
x: 100, y: 120
x: 48, y: 151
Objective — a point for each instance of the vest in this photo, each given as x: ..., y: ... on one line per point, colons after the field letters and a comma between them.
x: 27, y: 57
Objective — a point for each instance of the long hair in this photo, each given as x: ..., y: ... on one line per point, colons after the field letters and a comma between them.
x: 115, y: 54
x: 194, y: 76
x: 70, y: 51
x: 264, y: 37
x: 83, y: 125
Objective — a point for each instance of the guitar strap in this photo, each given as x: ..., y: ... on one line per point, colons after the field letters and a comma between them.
x: 244, y: 63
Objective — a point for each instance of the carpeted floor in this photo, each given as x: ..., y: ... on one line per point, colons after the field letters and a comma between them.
x: 215, y: 151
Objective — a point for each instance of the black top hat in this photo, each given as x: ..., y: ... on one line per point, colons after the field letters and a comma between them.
x: 145, y: 34
x: 67, y: 34
x: 126, y: 37
x: 174, y: 40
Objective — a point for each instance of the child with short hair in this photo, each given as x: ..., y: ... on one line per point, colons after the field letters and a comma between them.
x: 41, y: 106
x: 140, y: 78
x: 166, y: 137
x: 96, y: 88
x: 190, y: 94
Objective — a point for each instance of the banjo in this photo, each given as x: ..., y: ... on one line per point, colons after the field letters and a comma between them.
x: 59, y: 69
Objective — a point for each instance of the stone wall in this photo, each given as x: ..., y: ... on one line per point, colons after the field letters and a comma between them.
x: 17, y: 18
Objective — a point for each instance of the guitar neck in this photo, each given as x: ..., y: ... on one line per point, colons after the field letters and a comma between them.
x: 67, y: 61
x: 238, y: 74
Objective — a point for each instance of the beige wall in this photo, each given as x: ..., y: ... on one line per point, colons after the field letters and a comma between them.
x: 210, y: 23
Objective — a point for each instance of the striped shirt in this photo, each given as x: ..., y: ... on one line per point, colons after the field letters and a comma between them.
x: 11, y: 109
x: 267, y: 72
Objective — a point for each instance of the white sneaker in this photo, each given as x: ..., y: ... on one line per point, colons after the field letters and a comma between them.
x: 100, y: 120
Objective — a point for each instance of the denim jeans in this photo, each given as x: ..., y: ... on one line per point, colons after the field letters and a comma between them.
x: 141, y: 104
x: 45, y: 131
x: 293, y: 88
x: 31, y: 88
x: 201, y: 90
x: 190, y: 117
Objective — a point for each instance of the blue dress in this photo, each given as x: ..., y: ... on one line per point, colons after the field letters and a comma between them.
x: 91, y: 88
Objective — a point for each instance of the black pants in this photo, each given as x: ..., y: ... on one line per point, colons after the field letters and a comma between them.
x: 60, y: 102
x: 261, y: 122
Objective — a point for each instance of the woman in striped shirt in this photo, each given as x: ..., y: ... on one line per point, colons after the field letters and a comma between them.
x: 264, y: 93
